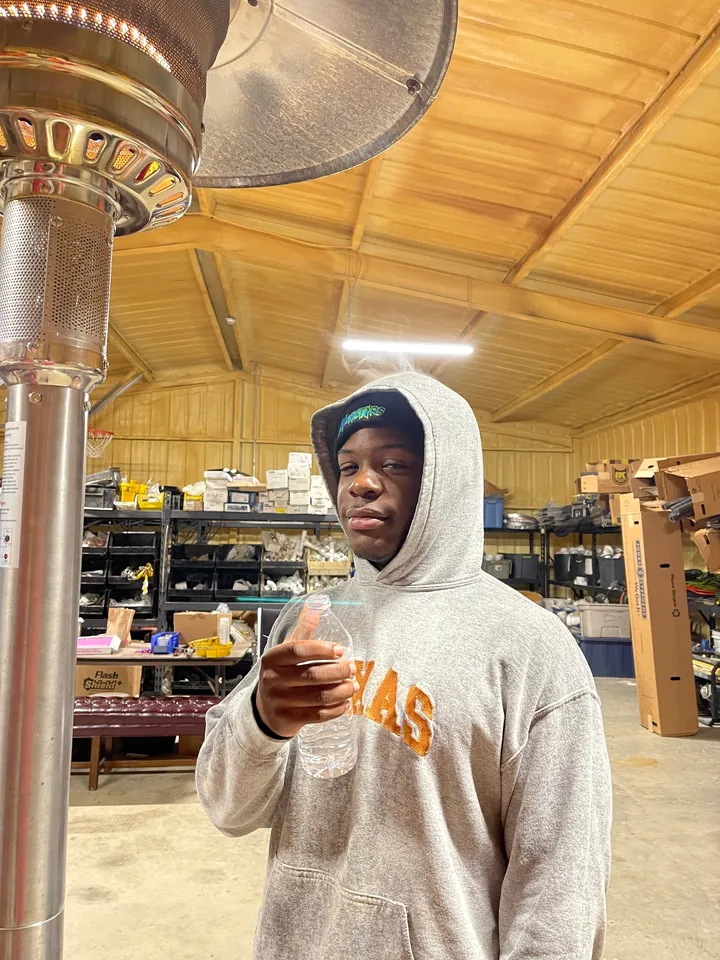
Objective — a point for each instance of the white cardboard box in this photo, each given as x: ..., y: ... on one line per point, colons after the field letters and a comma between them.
x: 296, y: 509
x: 238, y: 508
x: 277, y: 479
x: 280, y: 494
x: 299, y: 483
x: 300, y: 460
x: 317, y: 482
x: 299, y: 498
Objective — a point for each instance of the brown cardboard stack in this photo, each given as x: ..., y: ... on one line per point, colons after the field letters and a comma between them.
x: 606, y: 476
x: 659, y: 619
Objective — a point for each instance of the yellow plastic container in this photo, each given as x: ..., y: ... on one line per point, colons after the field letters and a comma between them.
x: 129, y: 490
x: 211, y: 649
x: 146, y: 502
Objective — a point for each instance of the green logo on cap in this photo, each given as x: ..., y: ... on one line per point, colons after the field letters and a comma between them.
x: 368, y: 412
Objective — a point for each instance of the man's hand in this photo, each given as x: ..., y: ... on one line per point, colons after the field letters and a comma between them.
x: 292, y: 692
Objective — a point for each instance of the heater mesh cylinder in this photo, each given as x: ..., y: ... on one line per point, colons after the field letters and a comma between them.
x: 54, y: 283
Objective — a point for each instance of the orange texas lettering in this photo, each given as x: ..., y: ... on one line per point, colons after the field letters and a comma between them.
x: 415, y: 724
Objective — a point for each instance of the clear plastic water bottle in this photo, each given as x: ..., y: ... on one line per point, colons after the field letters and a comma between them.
x: 329, y: 749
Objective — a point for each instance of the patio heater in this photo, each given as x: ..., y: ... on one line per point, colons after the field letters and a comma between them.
x: 103, y: 110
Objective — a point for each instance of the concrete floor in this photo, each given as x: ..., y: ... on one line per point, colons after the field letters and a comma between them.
x: 149, y: 877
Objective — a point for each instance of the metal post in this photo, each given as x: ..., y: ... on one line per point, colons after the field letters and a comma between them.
x: 54, y: 290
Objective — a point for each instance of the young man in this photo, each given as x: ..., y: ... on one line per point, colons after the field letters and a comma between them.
x: 475, y: 825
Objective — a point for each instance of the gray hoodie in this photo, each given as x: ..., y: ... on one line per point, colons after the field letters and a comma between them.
x: 476, y: 823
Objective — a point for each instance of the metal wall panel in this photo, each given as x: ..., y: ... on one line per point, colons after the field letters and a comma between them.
x: 691, y: 428
x: 173, y: 434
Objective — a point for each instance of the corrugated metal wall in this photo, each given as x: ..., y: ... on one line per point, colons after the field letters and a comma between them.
x: 173, y: 434
x: 690, y: 428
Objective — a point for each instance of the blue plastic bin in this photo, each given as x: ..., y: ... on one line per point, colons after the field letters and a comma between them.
x: 494, y: 507
x: 609, y: 657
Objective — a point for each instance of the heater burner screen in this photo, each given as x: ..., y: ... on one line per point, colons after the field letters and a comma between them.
x: 55, y: 272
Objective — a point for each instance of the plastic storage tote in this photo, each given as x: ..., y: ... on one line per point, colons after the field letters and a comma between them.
x: 500, y: 569
x: 526, y: 567
x: 609, y: 658
x: 494, y: 507
x: 604, y: 620
x: 611, y: 571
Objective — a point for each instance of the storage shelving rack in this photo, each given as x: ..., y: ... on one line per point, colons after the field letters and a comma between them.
x: 114, y: 555
x: 581, y: 530
x: 206, y: 521
x: 533, y: 538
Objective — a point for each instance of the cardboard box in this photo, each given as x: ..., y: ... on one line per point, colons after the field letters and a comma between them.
x: 238, y: 508
x: 192, y: 503
x: 708, y: 543
x: 297, y: 508
x: 492, y: 491
x: 659, y: 620
x: 246, y: 485
x: 698, y: 479
x: 647, y: 483
x: 277, y: 479
x: 299, y: 484
x: 300, y: 460
x: 606, y: 476
x: 196, y: 626
x: 107, y: 681
x: 279, y: 503
x: 299, y: 498
x: 240, y: 496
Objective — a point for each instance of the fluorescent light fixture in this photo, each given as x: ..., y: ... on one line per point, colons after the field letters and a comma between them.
x: 408, y: 346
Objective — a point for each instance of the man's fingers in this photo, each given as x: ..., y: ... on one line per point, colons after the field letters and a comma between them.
x: 316, y: 696
x: 321, y: 674
x: 306, y: 625
x: 304, y: 716
x: 293, y: 652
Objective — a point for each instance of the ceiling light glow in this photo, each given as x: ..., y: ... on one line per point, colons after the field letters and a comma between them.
x: 422, y: 348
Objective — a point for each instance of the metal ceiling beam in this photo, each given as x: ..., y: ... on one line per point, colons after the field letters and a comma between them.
x: 423, y: 283
x: 117, y: 391
x: 373, y: 172
x: 213, y: 294
x: 242, y: 329
x: 694, y: 71
x: 121, y: 344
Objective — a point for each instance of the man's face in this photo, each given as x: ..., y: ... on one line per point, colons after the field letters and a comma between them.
x: 380, y: 476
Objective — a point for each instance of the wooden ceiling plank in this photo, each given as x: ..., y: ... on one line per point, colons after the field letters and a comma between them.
x: 690, y: 297
x: 568, y: 372
x: 212, y: 316
x: 693, y: 390
x: 371, y: 180
x: 703, y: 61
x: 407, y: 280
x: 121, y: 344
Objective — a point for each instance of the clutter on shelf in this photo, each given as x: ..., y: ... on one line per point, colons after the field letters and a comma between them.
x: 293, y: 586
x: 283, y: 547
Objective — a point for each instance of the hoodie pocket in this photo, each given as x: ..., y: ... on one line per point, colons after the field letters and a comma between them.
x: 308, y: 915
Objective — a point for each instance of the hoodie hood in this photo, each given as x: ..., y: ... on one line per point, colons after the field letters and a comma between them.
x: 444, y: 546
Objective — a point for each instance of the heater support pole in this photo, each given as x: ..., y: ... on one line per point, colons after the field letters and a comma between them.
x: 54, y: 288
